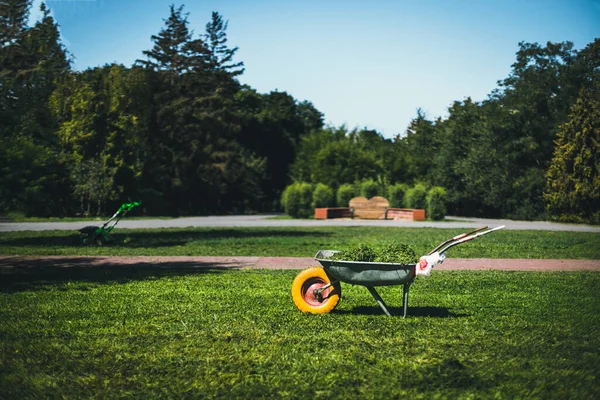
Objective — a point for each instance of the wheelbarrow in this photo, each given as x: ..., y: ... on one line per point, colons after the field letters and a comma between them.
x: 318, y: 290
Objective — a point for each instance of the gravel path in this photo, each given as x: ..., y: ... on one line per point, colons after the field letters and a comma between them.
x: 17, y: 262
x: 269, y: 221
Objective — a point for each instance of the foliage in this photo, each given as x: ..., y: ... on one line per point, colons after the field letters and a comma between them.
x: 28, y: 171
x: 396, y: 194
x: 344, y: 194
x: 493, y: 156
x: 420, y: 141
x: 32, y: 61
x: 13, y: 20
x: 573, y: 187
x: 369, y: 188
x: 436, y: 203
x: 416, y: 197
x: 179, y: 131
x: 322, y: 196
x: 297, y: 200
x: 337, y: 156
x: 271, y: 127
x: 184, y: 331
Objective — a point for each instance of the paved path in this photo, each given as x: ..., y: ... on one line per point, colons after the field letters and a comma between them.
x: 18, y: 262
x: 269, y: 221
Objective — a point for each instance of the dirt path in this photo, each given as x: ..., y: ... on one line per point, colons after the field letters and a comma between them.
x: 285, y: 263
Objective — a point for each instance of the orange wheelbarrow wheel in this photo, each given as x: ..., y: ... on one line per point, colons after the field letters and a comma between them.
x: 313, y: 291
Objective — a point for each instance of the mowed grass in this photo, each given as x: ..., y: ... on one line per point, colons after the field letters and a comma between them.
x: 301, y: 242
x: 205, y: 333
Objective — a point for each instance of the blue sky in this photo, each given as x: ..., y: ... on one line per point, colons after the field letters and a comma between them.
x: 362, y: 63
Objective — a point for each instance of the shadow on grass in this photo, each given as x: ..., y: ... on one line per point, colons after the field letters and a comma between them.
x: 435, y: 312
x: 17, y: 275
x: 163, y: 238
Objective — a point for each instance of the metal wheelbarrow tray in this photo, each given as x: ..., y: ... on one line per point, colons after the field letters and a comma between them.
x: 318, y: 290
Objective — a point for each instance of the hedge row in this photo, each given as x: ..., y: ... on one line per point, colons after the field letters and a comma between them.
x: 300, y: 198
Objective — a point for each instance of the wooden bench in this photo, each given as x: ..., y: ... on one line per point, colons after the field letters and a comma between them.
x: 375, y: 208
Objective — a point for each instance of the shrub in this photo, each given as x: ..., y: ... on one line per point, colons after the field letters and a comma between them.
x: 436, y: 203
x: 369, y: 188
x: 345, y: 193
x: 396, y: 195
x: 416, y: 197
x: 297, y: 200
x: 322, y: 196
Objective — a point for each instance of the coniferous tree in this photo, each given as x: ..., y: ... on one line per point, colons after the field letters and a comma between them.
x: 196, y: 153
x: 573, y: 185
x: 220, y: 57
x: 169, y: 51
x: 33, y: 60
x: 13, y: 20
x: 13, y: 28
x: 421, y: 146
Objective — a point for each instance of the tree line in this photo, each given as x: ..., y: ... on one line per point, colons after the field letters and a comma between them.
x: 176, y: 130
x: 179, y: 132
x: 529, y: 151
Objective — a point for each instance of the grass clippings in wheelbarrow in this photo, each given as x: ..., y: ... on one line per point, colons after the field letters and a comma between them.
x: 389, y: 253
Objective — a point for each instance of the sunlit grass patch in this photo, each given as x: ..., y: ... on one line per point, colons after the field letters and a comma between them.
x: 155, y: 333
x: 302, y: 242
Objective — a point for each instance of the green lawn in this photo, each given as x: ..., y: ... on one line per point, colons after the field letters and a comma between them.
x: 204, y: 333
x: 302, y: 242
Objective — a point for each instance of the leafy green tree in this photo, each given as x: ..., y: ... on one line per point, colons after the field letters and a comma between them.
x: 92, y: 185
x: 312, y: 119
x: 336, y: 156
x: 396, y: 194
x: 322, y: 196
x: 436, y: 203
x: 573, y: 184
x: 31, y: 179
x: 102, y: 131
x: 272, y: 126
x: 537, y: 95
x: 416, y: 197
x: 369, y: 189
x: 297, y: 200
x: 344, y: 194
x: 452, y: 165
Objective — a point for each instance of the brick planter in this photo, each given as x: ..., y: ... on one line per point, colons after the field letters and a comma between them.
x: 335, y: 212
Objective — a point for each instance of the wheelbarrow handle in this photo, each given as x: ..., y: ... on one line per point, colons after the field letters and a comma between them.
x: 462, y: 235
x: 471, y: 237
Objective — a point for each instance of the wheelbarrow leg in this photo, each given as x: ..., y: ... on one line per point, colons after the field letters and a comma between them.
x: 405, y: 299
x: 379, y: 300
